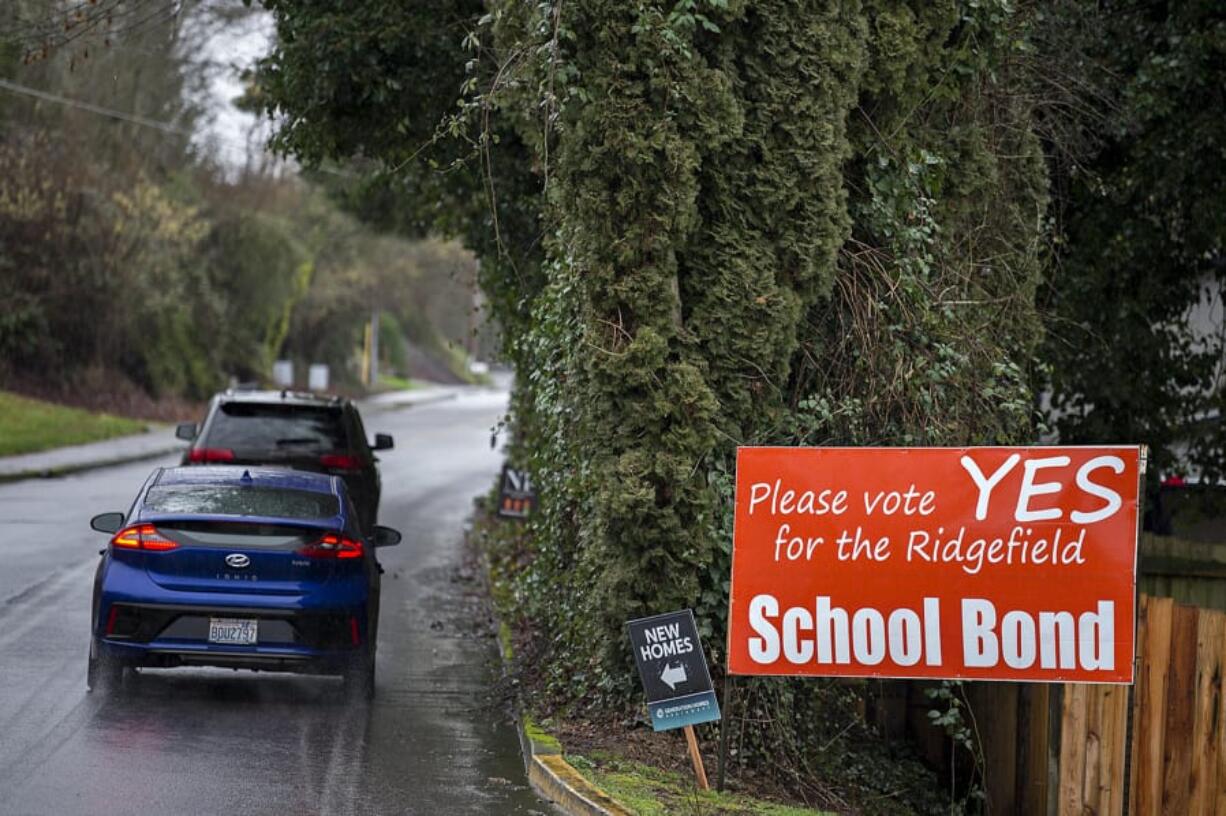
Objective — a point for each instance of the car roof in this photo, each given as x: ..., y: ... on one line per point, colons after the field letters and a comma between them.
x: 240, y: 476
x: 282, y: 397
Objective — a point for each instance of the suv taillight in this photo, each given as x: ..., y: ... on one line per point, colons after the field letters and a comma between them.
x: 141, y: 537
x: 204, y: 455
x: 332, y: 545
x: 340, y: 461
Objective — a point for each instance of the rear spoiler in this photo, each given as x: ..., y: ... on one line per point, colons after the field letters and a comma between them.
x: 326, y: 524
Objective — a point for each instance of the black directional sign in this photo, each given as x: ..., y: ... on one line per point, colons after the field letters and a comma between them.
x: 516, y: 498
x: 673, y: 669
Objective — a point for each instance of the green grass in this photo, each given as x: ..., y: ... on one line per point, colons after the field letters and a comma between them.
x: 29, y: 425
x: 650, y: 791
x: 541, y: 739
x: 505, y: 641
x: 391, y: 382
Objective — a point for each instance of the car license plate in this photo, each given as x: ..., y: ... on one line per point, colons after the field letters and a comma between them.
x: 233, y: 631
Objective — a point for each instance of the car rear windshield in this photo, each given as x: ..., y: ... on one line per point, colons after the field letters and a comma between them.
x: 284, y: 428
x: 227, y: 500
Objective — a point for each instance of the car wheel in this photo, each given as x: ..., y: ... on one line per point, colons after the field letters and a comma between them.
x: 360, y: 677
x: 104, y: 673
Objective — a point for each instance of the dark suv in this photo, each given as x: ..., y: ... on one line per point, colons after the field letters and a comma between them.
x: 294, y: 430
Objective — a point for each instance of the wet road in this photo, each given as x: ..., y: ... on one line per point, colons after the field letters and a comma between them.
x: 436, y: 740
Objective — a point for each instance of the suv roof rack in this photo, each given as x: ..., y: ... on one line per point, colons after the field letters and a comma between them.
x: 284, y: 394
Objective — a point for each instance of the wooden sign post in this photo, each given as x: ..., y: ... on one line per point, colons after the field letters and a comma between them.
x: 700, y: 772
x: 675, y: 678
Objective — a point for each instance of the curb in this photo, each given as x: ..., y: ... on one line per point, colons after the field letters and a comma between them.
x: 555, y: 779
x: 81, y: 467
x: 407, y: 402
x: 550, y: 775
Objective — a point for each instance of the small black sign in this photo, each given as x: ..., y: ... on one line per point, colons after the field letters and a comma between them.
x: 516, y: 498
x: 673, y: 669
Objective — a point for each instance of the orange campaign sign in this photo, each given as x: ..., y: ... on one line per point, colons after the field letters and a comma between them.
x: 973, y: 563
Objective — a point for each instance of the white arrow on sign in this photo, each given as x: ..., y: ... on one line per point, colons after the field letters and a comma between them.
x: 672, y: 675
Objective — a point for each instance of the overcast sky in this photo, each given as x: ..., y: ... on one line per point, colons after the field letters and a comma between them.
x: 227, y: 52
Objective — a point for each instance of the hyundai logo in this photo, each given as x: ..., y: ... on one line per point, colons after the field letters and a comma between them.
x: 237, y: 560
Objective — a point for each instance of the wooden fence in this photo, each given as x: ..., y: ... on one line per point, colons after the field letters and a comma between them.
x: 1177, y: 751
x: 1157, y: 747
x: 1191, y: 572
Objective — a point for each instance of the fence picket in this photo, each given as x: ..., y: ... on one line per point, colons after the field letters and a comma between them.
x: 1113, y: 736
x: 1206, y: 740
x: 1072, y: 749
x: 1149, y: 715
x: 1221, y: 729
x: 1180, y: 712
x: 1091, y: 751
x: 1138, y: 695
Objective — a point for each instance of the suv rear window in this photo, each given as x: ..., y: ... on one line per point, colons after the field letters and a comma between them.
x: 286, y: 428
x: 228, y: 500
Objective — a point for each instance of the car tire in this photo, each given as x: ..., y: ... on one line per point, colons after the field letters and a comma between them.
x: 104, y: 673
x: 360, y: 677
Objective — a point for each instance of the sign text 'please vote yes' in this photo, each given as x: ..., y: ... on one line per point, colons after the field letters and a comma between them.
x: 977, y: 563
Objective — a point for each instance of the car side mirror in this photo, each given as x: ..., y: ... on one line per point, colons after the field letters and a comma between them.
x: 383, y: 442
x: 186, y: 431
x: 107, y: 522
x: 385, y: 537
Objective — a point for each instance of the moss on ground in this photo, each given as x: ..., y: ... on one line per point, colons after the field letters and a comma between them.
x: 542, y: 741
x: 30, y: 425
x: 505, y: 642
x: 650, y: 791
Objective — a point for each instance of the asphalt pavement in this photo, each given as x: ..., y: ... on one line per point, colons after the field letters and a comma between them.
x: 436, y: 740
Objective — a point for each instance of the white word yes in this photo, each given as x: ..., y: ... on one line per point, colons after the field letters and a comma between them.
x: 1030, y: 488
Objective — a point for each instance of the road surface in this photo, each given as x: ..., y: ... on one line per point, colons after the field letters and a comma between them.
x: 436, y: 740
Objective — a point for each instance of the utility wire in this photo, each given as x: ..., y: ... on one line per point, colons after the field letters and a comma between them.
x: 133, y: 118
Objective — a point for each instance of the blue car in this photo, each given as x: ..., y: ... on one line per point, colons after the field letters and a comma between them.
x: 252, y: 568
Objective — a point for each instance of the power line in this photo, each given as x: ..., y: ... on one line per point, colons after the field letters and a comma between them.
x: 133, y: 118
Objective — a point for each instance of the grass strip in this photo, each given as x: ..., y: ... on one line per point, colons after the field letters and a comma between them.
x: 390, y: 382
x: 30, y: 425
x: 651, y: 791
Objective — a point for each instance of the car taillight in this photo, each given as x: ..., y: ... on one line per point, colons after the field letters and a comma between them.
x: 1173, y: 481
x: 332, y: 545
x: 210, y: 455
x: 340, y: 461
x: 141, y: 537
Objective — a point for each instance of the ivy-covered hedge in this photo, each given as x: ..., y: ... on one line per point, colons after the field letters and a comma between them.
x: 768, y: 223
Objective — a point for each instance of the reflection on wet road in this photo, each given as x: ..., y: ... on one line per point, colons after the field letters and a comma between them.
x: 436, y: 740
